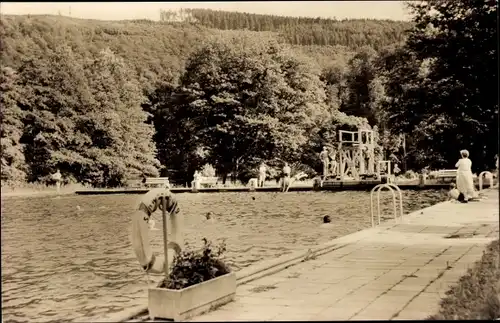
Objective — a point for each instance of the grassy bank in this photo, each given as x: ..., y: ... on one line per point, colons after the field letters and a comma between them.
x: 476, y: 296
x: 29, y: 189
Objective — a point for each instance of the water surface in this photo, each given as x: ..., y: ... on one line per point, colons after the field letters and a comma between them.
x: 64, y: 263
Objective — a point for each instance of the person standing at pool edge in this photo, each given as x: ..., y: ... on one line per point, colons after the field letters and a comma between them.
x: 333, y: 162
x: 262, y: 174
x: 396, y: 169
x: 57, y: 177
x: 286, y: 170
x: 286, y: 176
x: 496, y: 165
x: 324, y: 159
x: 465, y: 181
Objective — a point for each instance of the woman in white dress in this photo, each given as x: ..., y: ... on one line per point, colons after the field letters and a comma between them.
x: 465, y: 181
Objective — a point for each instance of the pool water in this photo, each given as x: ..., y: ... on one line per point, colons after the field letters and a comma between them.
x: 69, y: 258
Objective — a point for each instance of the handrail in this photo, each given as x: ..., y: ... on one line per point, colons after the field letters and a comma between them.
x: 390, y: 187
x: 490, y: 177
x: 400, y: 201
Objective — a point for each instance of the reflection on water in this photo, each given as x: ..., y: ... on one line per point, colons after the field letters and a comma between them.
x: 69, y: 258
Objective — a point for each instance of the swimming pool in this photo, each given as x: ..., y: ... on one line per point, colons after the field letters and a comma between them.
x: 61, y: 263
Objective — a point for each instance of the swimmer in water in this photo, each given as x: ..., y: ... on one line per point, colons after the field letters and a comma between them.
x: 210, y: 217
x: 327, y: 221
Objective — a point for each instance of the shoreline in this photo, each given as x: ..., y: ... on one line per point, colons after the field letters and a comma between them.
x: 35, y: 193
x: 79, y: 189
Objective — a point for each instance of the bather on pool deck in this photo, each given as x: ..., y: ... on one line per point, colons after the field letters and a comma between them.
x: 286, y: 170
x: 262, y: 174
x: 58, y: 178
x: 465, y: 181
x: 324, y: 157
x: 454, y: 193
x: 286, y: 176
x: 396, y: 170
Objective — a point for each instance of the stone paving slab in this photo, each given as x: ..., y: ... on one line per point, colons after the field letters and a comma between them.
x: 395, y: 271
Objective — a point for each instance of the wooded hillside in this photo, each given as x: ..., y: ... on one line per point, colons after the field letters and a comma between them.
x: 103, y: 101
x: 353, y: 33
x: 159, y: 49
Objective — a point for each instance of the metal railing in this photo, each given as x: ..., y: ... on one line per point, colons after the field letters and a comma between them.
x: 391, y: 188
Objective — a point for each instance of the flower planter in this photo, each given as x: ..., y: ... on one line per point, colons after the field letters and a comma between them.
x: 179, y: 305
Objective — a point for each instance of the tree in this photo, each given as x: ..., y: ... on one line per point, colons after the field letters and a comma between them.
x: 12, y: 155
x: 179, y: 151
x: 251, y: 101
x: 54, y: 93
x: 85, y: 118
x: 403, y: 77
x: 335, y: 78
x: 122, y: 145
x: 360, y: 99
x: 453, y: 94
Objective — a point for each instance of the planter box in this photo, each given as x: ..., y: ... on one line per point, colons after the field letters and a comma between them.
x: 179, y: 305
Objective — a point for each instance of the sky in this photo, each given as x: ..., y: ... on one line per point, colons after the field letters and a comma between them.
x: 394, y: 10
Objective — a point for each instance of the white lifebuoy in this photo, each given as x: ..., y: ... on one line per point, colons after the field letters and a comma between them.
x: 146, y: 206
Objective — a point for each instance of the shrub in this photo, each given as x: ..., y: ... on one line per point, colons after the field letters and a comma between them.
x: 194, y: 267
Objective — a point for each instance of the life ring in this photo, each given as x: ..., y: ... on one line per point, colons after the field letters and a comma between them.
x: 146, y: 206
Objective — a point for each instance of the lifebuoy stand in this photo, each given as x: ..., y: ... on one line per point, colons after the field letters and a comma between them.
x: 140, y: 230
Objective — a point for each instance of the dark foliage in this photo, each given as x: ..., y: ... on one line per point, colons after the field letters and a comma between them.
x: 442, y: 85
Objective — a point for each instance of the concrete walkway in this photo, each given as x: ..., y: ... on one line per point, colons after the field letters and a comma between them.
x: 394, y: 271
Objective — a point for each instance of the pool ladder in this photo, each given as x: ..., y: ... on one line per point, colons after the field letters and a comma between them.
x: 391, y: 188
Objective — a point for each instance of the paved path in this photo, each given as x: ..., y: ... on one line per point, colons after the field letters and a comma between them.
x: 394, y: 271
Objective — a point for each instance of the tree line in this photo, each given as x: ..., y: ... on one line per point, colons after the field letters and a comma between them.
x: 352, y: 33
x: 103, y: 115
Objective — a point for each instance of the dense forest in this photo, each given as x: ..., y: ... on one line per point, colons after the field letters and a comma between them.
x: 108, y: 101
x: 352, y: 33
